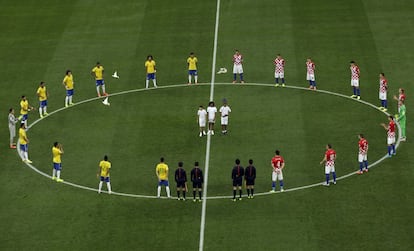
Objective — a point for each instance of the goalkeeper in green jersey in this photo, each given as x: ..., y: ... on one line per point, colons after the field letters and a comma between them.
x: 402, y: 119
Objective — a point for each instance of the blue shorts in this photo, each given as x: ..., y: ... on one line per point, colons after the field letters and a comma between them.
x: 69, y: 92
x: 192, y: 72
x: 106, y: 179
x: 24, y: 117
x: 24, y: 148
x: 150, y: 76
x: 43, y: 103
x: 57, y: 166
x: 100, y: 82
x: 163, y: 183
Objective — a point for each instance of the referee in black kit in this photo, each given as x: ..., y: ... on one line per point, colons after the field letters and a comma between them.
x: 237, y: 176
x: 249, y: 177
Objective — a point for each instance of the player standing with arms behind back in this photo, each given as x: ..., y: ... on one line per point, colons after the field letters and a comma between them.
x: 150, y: 71
x: 355, y: 80
x: 192, y: 68
x: 103, y: 173
x: 197, y: 179
x: 224, y: 111
x: 98, y: 73
x: 383, y: 88
x: 202, y: 119
x: 237, y: 174
x: 390, y: 136
x: 161, y: 171
x: 181, y: 180
x: 237, y: 66
x: 310, y: 73
x: 363, y: 154
x: 250, y: 176
x: 68, y: 84
x: 278, y: 163
x: 42, y: 94
x: 279, y: 63
x: 329, y: 160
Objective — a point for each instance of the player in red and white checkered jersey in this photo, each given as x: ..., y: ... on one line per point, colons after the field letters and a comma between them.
x: 237, y: 66
x: 362, y: 154
x: 278, y: 164
x: 310, y: 73
x: 329, y: 160
x: 355, y: 80
x: 279, y: 63
x: 390, y: 128
x: 383, y: 87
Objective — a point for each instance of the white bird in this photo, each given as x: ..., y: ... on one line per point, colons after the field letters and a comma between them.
x: 106, y: 101
x: 115, y: 75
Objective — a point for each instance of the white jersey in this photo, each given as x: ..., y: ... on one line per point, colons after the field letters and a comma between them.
x: 202, y: 114
x: 211, y: 111
x: 12, y: 120
x: 225, y: 110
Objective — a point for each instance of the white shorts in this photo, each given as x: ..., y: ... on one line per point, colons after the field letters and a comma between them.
x: 355, y: 82
x: 237, y: 69
x: 211, y: 120
x: 390, y: 140
x: 310, y: 77
x: 362, y: 157
x: 382, y: 96
x: 279, y: 74
x: 277, y: 175
x: 225, y: 120
x: 329, y: 169
x: 202, y: 123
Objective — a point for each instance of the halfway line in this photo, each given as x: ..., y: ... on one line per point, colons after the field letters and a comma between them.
x: 207, y: 162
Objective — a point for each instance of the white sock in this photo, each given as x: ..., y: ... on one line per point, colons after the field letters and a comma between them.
x: 66, y: 100
x: 58, y: 174
x: 189, y: 78
x: 70, y: 99
x: 158, y: 191
x: 155, y: 82
x: 108, y: 185
x: 103, y: 89
x: 97, y: 89
x: 167, y: 188
x: 196, y: 79
x: 54, y: 173
x: 40, y: 111
x: 26, y: 155
x: 45, y: 109
x: 100, y: 187
x: 146, y: 83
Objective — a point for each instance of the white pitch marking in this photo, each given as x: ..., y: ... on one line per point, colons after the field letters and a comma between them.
x: 213, y: 197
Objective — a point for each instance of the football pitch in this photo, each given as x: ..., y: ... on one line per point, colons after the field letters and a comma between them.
x: 41, y: 40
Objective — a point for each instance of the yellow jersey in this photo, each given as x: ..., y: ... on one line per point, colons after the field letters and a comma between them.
x: 22, y: 136
x: 68, y: 81
x: 24, y: 107
x: 98, y: 70
x: 56, y: 152
x: 162, y: 171
x: 42, y: 93
x: 150, y: 65
x: 192, y: 63
x: 105, y: 166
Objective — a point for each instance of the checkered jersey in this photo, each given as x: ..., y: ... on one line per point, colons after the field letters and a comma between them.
x: 391, y: 129
x: 354, y: 72
x: 310, y: 67
x: 363, y: 146
x: 330, y: 155
x: 277, y: 162
x: 383, y: 85
x: 237, y: 59
x: 279, y: 65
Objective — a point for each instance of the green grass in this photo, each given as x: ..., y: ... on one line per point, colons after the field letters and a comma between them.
x: 42, y: 40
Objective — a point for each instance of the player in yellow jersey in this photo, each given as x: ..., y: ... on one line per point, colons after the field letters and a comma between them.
x: 192, y: 68
x: 43, y: 95
x: 98, y: 73
x: 57, y: 151
x: 69, y: 85
x: 150, y: 71
x: 161, y: 171
x: 103, y: 173
x: 23, y: 142
x: 25, y: 108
